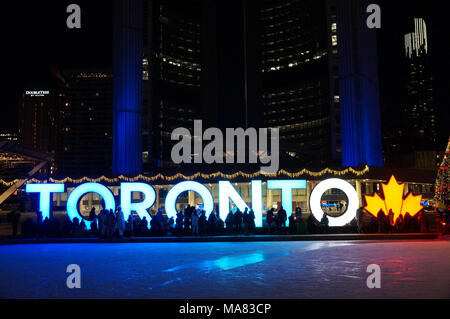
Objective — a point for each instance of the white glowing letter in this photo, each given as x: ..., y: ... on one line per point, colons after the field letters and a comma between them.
x: 350, y: 192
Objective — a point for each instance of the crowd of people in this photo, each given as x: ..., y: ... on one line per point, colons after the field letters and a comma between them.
x: 194, y: 221
x: 367, y: 223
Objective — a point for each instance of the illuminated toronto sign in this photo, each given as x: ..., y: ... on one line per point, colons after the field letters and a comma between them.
x: 226, y: 194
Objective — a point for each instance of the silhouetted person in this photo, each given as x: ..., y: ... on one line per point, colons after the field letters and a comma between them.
x: 360, y: 220
x: 92, y: 215
x: 143, y: 225
x: 120, y: 222
x: 251, y: 221
x: 324, y: 223
x: 130, y: 225
x: 102, y: 222
x: 94, y: 228
x: 423, y: 222
x: 399, y: 224
x: 282, y: 217
x: 238, y: 221
x: 390, y: 221
x: 269, y: 220
x: 381, y: 222
x: 220, y: 226
x: 408, y: 223
x: 229, y: 221
x: 15, y: 219
x: 298, y: 213
x: 111, y: 223
x: 292, y: 224
x: 246, y: 221
x: 202, y: 222
x: 212, y: 221
x: 77, y: 230
x: 83, y: 227
x: 311, y: 223
x: 194, y: 218
x: 179, y: 222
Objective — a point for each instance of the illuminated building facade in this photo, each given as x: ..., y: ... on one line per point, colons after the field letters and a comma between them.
x: 271, y: 63
x: 38, y: 119
x: 171, y: 75
x: 312, y: 56
x: 85, y: 130
x: 298, y: 41
x: 412, y: 142
x: 420, y: 129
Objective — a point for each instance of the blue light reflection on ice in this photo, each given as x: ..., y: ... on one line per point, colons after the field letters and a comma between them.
x: 230, y: 262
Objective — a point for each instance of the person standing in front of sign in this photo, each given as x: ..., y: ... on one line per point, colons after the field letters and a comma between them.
x: 194, y: 219
x: 282, y: 217
x: 120, y: 221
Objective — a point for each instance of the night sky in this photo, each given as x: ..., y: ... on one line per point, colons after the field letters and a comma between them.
x: 35, y: 36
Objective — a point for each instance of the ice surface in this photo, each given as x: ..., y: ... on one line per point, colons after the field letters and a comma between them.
x: 325, y: 269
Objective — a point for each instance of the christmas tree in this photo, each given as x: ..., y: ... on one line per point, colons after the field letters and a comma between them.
x: 442, y: 193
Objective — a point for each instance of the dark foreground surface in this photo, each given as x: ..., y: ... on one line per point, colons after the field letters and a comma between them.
x: 317, y: 269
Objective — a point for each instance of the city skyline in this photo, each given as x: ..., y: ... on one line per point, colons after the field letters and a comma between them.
x: 100, y: 58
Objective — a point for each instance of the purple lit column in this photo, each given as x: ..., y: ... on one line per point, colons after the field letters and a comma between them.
x: 358, y: 86
x: 127, y: 103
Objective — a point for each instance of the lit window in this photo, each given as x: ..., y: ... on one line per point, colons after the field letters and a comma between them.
x: 334, y: 40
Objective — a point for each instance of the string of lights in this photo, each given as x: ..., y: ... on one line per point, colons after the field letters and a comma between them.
x: 219, y: 174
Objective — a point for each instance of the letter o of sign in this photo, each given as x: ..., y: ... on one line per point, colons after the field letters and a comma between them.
x: 172, y: 195
x: 77, y: 193
x: 350, y: 192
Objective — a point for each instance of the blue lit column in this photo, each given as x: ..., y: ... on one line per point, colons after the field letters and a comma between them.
x: 127, y: 104
x: 358, y: 86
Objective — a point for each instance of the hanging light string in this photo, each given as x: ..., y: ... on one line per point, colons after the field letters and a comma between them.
x: 216, y: 175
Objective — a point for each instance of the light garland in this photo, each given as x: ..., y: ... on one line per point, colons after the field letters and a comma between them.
x: 442, y: 190
x: 219, y: 174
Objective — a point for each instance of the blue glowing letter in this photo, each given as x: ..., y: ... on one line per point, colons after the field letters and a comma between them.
x: 77, y: 193
x: 227, y: 192
x: 286, y: 187
x: 126, y: 190
x: 45, y: 191
x: 257, y: 204
x: 172, y: 195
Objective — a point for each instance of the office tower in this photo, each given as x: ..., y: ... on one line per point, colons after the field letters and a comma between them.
x: 271, y: 63
x: 38, y: 119
x: 411, y: 140
x: 85, y: 129
x: 298, y: 41
x: 172, y: 74
x: 419, y: 110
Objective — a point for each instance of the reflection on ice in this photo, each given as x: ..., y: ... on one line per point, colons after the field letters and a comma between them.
x: 321, y: 245
x: 230, y: 262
